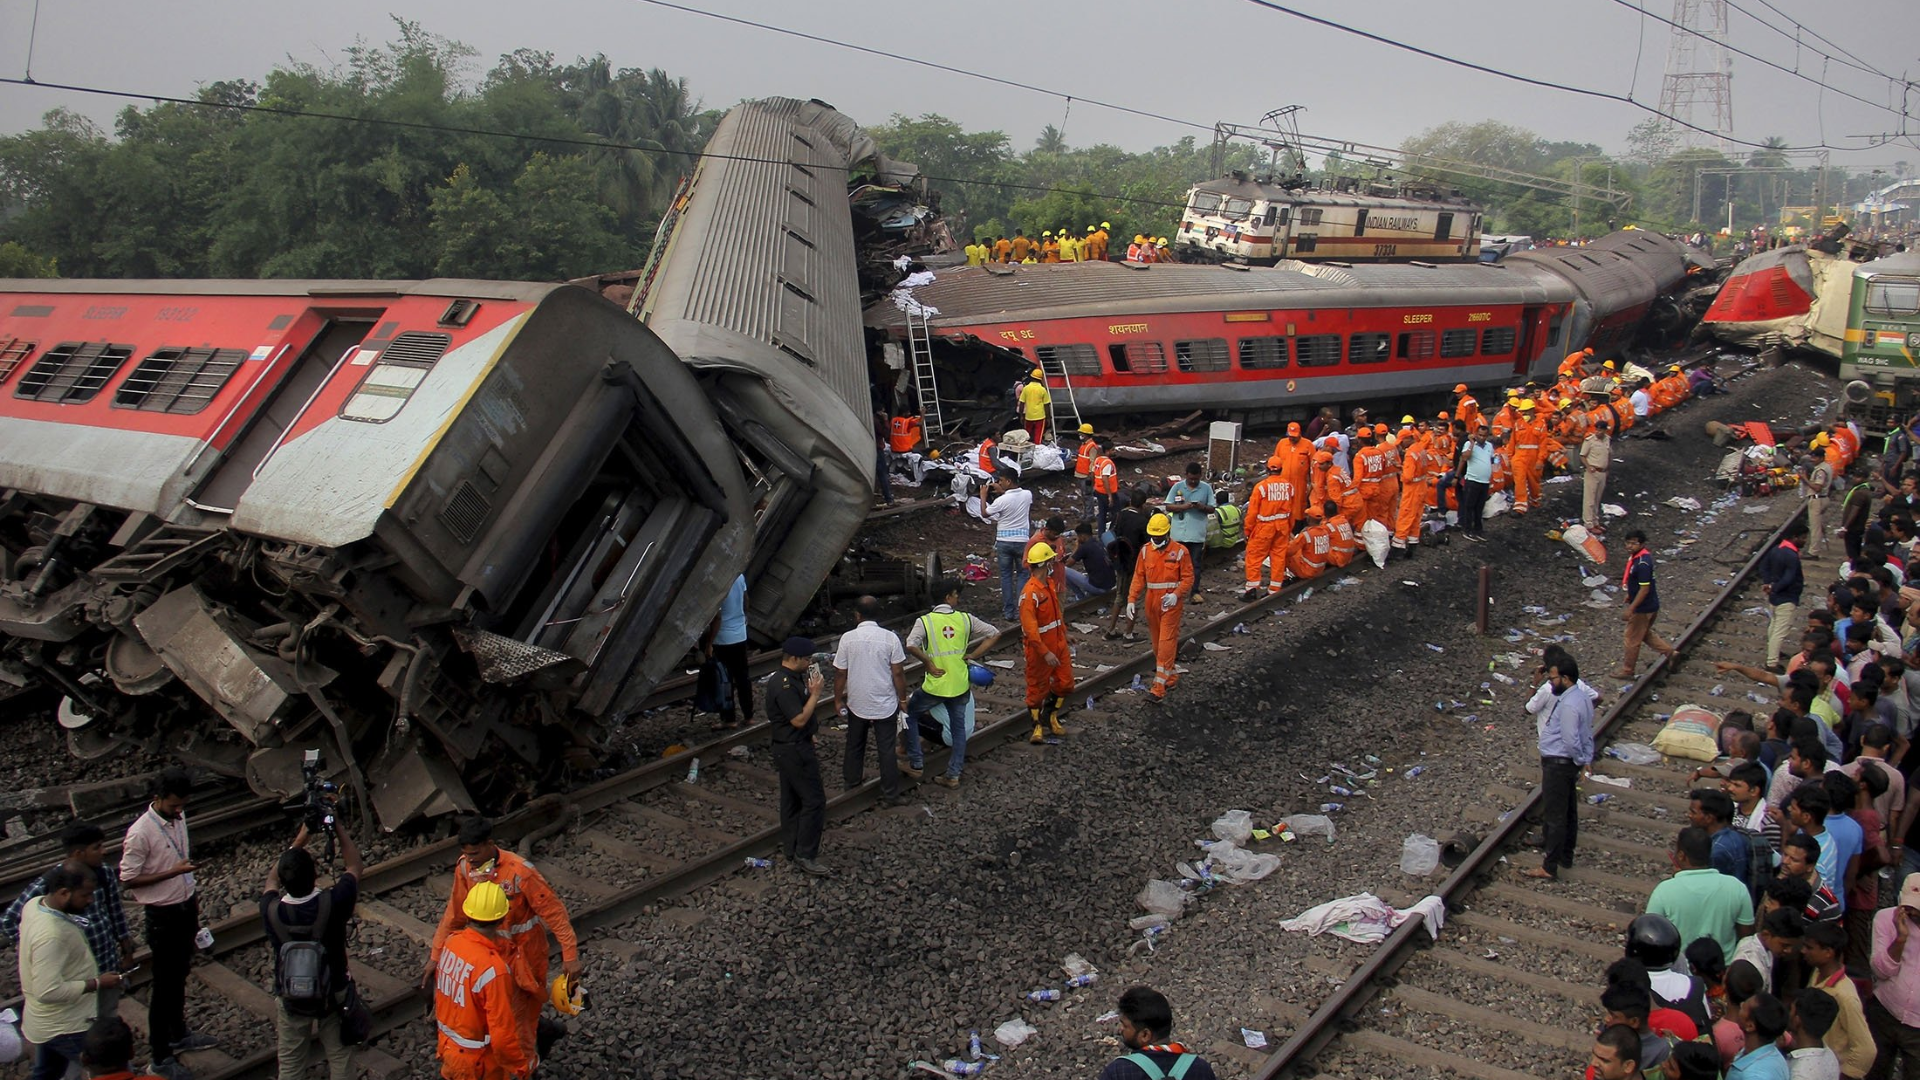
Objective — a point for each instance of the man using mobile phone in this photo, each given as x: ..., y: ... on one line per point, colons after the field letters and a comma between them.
x: 58, y: 974
x: 106, y: 928
x: 156, y: 866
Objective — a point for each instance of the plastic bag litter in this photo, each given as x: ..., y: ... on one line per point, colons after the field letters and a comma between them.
x: 1234, y: 825
x: 1305, y: 825
x: 1589, y: 547
x: 1593, y: 581
x: 1076, y: 965
x: 1163, y: 898
x: 1049, y: 458
x: 1375, y: 536
x: 1419, y: 855
x: 1497, y: 503
x: 1236, y: 866
x: 1634, y: 753
x: 1681, y: 502
x: 1613, y: 509
x: 1755, y: 508
x: 1014, y: 1032
x: 11, y: 1046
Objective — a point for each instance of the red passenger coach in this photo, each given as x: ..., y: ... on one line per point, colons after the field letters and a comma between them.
x: 1125, y: 338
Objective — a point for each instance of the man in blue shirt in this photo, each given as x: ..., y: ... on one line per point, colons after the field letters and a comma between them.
x: 1476, y: 476
x: 1643, y: 606
x: 1713, y: 811
x: 726, y: 642
x: 1762, y: 1021
x: 1849, y: 839
x: 1807, y: 810
x: 1564, y: 726
x: 1781, y: 580
x: 1190, y: 505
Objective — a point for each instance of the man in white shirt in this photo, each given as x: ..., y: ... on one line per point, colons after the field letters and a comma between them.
x: 870, y: 691
x: 1008, y: 507
x: 156, y: 868
x: 1641, y: 400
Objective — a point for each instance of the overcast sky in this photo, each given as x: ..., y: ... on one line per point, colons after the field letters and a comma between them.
x: 1197, y: 60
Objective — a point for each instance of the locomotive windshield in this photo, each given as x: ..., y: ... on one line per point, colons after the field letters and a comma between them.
x: 1205, y: 202
x: 1893, y: 296
x: 1239, y: 208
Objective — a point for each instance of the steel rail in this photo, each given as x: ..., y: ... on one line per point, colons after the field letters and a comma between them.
x: 1337, y: 1011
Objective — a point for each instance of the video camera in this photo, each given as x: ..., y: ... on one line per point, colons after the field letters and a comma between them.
x: 322, y: 797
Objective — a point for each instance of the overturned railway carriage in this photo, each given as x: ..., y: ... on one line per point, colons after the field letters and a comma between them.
x: 1170, y: 337
x: 434, y: 527
x: 757, y: 290
x: 1237, y: 219
x: 1794, y: 297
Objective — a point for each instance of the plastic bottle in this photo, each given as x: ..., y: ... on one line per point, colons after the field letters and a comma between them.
x: 964, y: 1068
x: 693, y: 772
x: 1338, y: 790
x: 1598, y: 799
x: 973, y: 1045
x: 1137, y: 686
x: 1415, y: 771
x: 758, y: 864
x: 1044, y: 995
x: 1330, y: 807
x: 1079, y: 981
x: 1719, y: 690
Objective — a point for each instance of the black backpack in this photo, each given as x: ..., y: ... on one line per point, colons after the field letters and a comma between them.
x: 302, y: 977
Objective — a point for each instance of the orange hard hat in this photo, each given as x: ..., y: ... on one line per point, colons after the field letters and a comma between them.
x: 1323, y: 457
x: 1444, y: 416
x: 1274, y: 464
x: 1379, y: 430
x: 1461, y: 389
x: 1293, y: 429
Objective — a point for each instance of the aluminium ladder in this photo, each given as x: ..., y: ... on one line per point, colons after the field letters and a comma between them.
x: 1058, y: 407
x: 926, y: 386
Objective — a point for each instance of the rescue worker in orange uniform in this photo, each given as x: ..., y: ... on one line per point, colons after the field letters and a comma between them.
x: 1106, y: 490
x: 1022, y: 247
x: 1317, y: 483
x: 1842, y: 436
x: 1049, y: 247
x: 473, y: 991
x: 1529, y: 442
x: 1100, y: 241
x: 1507, y: 416
x: 1370, y: 472
x: 1083, y: 468
x: 533, y: 910
x: 1049, y: 656
x: 1673, y: 389
x: 1343, y: 490
x: 985, y: 461
x: 1344, y: 544
x: 1296, y: 462
x: 1307, y: 555
x: 1416, y: 486
x: 1164, y: 575
x: 1466, y: 409
x: 1569, y: 423
x: 1390, y: 479
x: 1268, y: 520
x: 1575, y: 362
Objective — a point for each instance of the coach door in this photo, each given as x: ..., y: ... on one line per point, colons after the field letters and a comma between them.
x: 224, y: 486
x: 1534, y: 337
x: 1443, y: 231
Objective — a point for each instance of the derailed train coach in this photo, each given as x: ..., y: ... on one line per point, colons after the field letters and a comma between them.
x: 448, y: 531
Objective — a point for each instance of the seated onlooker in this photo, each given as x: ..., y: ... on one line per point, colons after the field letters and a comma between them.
x: 1095, y: 576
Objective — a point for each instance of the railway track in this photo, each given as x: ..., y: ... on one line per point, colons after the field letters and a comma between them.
x: 1516, y: 953
x: 620, y: 847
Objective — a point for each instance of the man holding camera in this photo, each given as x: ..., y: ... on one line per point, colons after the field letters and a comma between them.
x: 156, y: 866
x: 534, y: 909
x: 307, y: 933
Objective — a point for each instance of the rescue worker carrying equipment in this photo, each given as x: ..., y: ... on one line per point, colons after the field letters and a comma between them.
x: 479, y: 1033
x: 1269, y: 523
x: 1049, y: 657
x: 1164, y: 573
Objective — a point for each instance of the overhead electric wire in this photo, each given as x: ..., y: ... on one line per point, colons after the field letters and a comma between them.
x: 1548, y: 84
x: 1861, y: 65
x: 1631, y: 5
x: 591, y: 142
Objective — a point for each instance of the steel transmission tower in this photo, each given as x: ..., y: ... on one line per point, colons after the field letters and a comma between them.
x: 1699, y: 85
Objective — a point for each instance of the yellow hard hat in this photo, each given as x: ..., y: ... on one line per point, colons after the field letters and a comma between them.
x: 1406, y: 421
x: 1566, y: 403
x: 1090, y: 228
x: 1513, y: 391
x: 1159, y: 525
x: 1675, y: 368
x: 1819, y: 441
x: 1526, y: 405
x: 569, y: 1000
x: 1037, y: 374
x: 1086, y: 429
x: 486, y: 902
x: 1040, y: 553
x: 1139, y: 238
x: 1162, y: 241
x: 1608, y: 365
x: 1046, y: 232
x: 933, y: 453
x: 1105, y: 225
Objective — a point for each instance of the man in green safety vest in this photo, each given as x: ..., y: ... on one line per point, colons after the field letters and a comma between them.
x: 946, y: 641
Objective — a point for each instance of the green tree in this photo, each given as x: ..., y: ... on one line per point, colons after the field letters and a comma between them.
x: 17, y: 262
x: 546, y: 226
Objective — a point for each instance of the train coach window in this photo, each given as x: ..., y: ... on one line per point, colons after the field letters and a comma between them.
x: 1139, y: 358
x: 1306, y: 242
x: 1497, y: 341
x: 1206, y: 354
x: 401, y: 368
x: 1893, y: 296
x: 1415, y: 345
x: 1072, y: 359
x: 12, y: 351
x: 1311, y: 217
x: 1455, y: 343
x: 1205, y: 202
x: 1239, y: 208
x: 1317, y: 350
x: 178, y: 380
x: 72, y: 372
x: 1368, y: 348
x: 1259, y: 353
